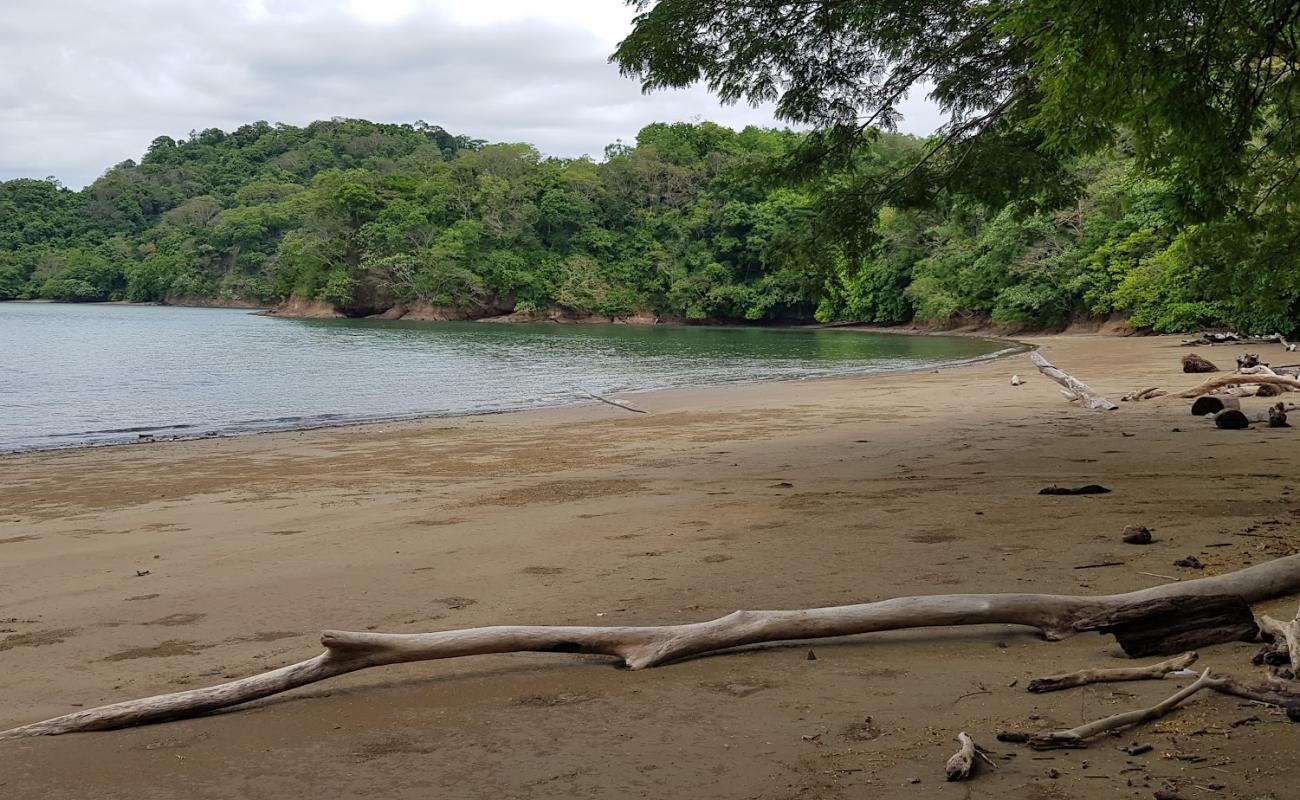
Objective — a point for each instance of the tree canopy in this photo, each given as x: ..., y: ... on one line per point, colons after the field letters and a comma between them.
x: 1197, y: 94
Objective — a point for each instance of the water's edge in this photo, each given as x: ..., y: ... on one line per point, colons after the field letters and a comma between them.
x: 196, y: 432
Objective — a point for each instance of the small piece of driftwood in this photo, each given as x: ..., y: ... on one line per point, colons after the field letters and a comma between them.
x: 1091, y: 488
x: 1143, y: 394
x: 1055, y: 683
x: 1079, y: 736
x: 1286, y: 634
x: 962, y: 764
x: 1283, y: 694
x: 1075, y: 389
x: 623, y: 404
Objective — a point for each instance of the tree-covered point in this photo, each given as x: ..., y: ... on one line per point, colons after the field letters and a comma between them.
x: 691, y: 221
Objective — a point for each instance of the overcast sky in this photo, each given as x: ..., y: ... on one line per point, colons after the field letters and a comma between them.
x: 85, y: 84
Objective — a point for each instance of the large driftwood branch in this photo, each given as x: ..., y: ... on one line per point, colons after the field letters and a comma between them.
x: 1055, y: 616
x: 1083, y: 677
x: 1214, y: 384
x: 1075, y: 389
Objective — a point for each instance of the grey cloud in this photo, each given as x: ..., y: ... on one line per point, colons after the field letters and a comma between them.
x: 85, y: 84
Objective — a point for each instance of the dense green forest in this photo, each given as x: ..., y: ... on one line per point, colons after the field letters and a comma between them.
x: 694, y: 221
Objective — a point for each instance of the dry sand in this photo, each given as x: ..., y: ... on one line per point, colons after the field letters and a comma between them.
x: 769, y: 496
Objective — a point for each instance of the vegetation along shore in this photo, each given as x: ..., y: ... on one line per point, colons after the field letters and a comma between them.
x: 693, y: 222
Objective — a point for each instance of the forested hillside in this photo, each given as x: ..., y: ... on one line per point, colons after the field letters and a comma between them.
x: 695, y: 221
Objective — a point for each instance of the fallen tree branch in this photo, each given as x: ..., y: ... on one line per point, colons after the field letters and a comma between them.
x: 1079, y: 736
x: 962, y: 763
x: 1083, y: 677
x: 623, y: 404
x: 1074, y: 388
x: 1055, y: 616
x: 1283, y: 694
x: 1214, y: 384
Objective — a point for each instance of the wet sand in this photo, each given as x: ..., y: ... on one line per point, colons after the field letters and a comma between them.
x: 135, y: 570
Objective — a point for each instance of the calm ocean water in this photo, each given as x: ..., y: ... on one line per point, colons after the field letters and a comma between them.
x: 99, y: 374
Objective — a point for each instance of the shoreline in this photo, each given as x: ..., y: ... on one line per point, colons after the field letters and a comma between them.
x: 1013, y: 347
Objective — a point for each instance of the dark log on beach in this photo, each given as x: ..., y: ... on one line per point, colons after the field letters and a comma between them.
x: 1277, y: 416
x: 1213, y: 404
x: 1231, y: 419
x: 1194, y: 363
x: 1169, y: 625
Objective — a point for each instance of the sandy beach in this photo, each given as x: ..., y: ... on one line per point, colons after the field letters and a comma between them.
x: 131, y: 571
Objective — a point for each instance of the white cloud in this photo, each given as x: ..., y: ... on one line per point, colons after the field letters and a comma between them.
x: 85, y: 84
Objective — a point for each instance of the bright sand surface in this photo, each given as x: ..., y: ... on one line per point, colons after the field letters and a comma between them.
x: 780, y: 495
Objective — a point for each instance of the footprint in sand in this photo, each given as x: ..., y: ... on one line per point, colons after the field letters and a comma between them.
x: 177, y: 619
x: 36, y: 638
x: 456, y: 603
x: 171, y: 647
x: 542, y: 570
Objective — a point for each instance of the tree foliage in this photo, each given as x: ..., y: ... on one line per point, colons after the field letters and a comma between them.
x: 1199, y: 96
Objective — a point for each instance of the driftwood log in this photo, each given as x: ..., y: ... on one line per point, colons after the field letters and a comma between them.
x: 1054, y: 616
x: 1075, y: 389
x: 1214, y: 384
x: 1084, y: 677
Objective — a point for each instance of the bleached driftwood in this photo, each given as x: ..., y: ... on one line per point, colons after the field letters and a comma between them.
x: 1079, y: 736
x: 1284, y: 633
x: 1232, y: 337
x: 1083, y: 677
x: 1258, y: 369
x: 1143, y: 394
x: 962, y: 763
x: 1055, y: 616
x: 1074, y: 388
x: 1214, y: 384
x: 1280, y: 693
